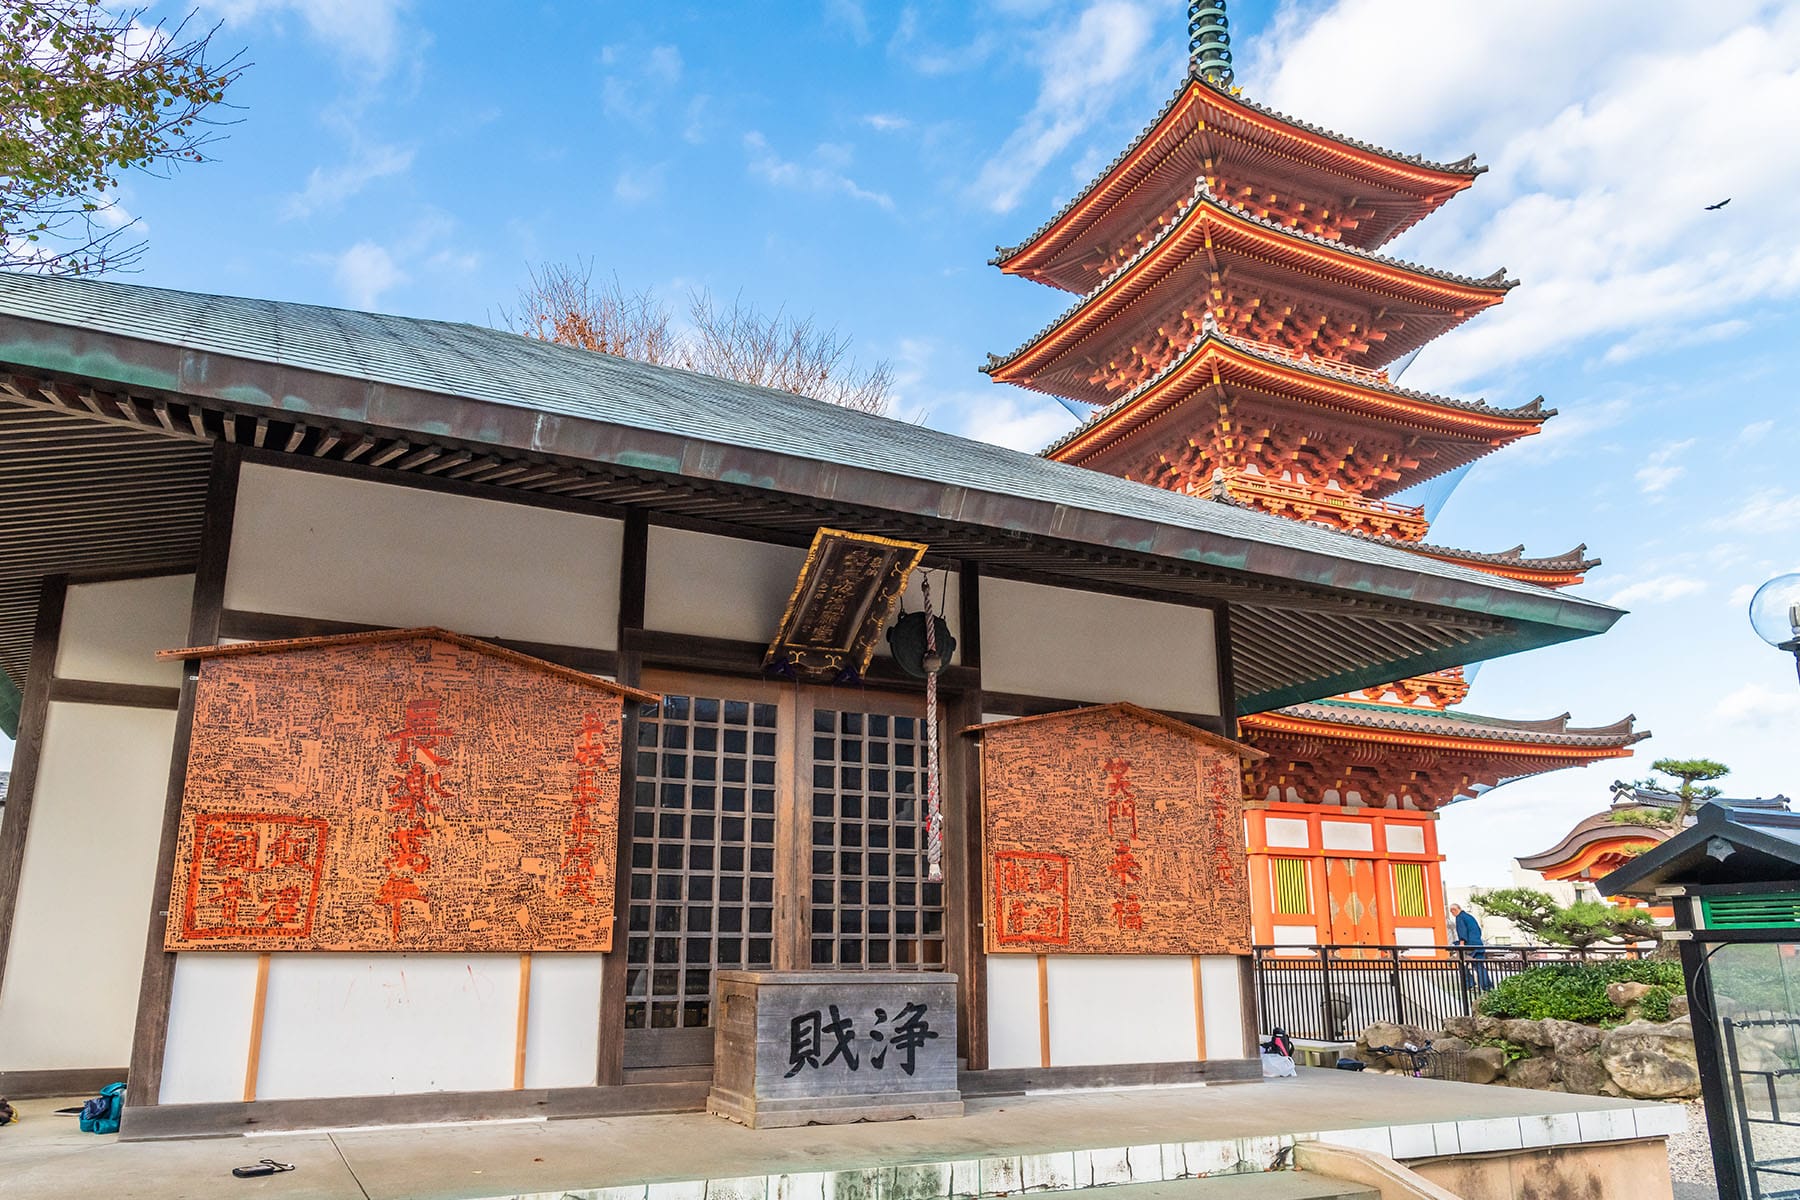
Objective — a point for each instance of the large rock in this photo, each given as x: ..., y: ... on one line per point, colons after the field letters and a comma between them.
x: 1652, y: 1062
x: 1678, y: 1007
x: 1526, y: 1033
x: 1584, y: 1075
x: 1450, y: 1044
x: 1570, y: 1040
x: 1625, y: 995
x: 1538, y: 1073
x: 1468, y: 1028
x: 1486, y: 1064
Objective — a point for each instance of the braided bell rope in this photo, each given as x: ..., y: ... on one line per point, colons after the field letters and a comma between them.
x: 934, y: 813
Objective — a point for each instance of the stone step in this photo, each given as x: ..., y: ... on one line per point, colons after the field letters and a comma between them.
x: 1262, y: 1185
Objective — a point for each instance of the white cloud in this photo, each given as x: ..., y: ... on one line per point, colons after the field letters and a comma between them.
x: 328, y: 187
x: 1005, y: 418
x: 1658, y: 471
x: 362, y: 33
x: 1773, y: 510
x: 911, y: 47
x: 635, y: 185
x: 1583, y: 202
x: 850, y: 15
x: 364, y: 272
x: 1755, y: 431
x: 1655, y: 590
x: 1759, y: 706
x: 825, y: 174
x: 886, y: 122
x: 639, y: 80
x: 1083, y: 64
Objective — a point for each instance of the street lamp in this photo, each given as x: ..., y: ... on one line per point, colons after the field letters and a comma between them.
x: 1775, y: 614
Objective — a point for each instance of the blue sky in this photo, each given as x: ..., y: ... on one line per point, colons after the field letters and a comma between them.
x: 860, y: 161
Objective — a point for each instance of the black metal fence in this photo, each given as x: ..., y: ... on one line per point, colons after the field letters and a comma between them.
x: 1331, y: 993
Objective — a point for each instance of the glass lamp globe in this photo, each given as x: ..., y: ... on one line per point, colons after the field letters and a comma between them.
x: 1775, y: 611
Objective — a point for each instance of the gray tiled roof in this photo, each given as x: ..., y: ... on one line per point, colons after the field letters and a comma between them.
x: 557, y: 382
x: 1553, y: 731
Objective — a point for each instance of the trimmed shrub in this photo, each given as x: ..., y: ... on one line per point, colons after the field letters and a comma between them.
x: 1577, y: 991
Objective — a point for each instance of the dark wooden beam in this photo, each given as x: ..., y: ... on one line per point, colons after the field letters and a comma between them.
x: 28, y: 752
x: 634, y: 574
x: 54, y: 1085
x: 157, y: 984
x: 964, y: 862
x: 1222, y: 650
x: 123, y: 695
x: 1013, y: 704
x: 725, y: 656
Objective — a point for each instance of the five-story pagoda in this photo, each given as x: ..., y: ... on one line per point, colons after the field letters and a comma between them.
x: 1235, y: 332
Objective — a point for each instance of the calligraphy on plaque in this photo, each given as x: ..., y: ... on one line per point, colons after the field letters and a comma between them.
x: 409, y: 790
x: 848, y: 589
x: 1113, y: 830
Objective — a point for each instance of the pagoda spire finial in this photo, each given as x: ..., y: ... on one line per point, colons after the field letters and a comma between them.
x: 1209, y: 41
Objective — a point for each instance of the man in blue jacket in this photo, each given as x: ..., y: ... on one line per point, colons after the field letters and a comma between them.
x: 1468, y: 933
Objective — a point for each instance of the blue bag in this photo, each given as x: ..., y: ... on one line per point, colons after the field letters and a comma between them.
x: 101, y: 1114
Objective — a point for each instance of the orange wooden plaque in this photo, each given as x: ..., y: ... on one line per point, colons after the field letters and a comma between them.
x: 406, y: 790
x: 1112, y: 830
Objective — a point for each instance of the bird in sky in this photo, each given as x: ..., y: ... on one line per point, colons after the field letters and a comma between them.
x: 1719, y: 205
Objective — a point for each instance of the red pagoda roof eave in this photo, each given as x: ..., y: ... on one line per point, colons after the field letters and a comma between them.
x: 1449, y: 178
x: 1422, y: 409
x: 1575, y: 745
x: 1476, y: 294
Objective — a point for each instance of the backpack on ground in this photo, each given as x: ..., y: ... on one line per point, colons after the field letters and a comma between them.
x: 101, y: 1114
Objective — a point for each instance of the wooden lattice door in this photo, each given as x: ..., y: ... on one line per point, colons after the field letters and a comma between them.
x: 775, y: 827
x: 1351, y: 902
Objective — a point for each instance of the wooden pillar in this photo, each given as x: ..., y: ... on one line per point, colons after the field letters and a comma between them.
x: 34, y: 710
x: 157, y: 985
x: 634, y: 569
x: 964, y: 862
x: 1228, y: 709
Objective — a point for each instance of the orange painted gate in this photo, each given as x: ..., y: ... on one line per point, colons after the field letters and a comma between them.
x: 1350, y: 901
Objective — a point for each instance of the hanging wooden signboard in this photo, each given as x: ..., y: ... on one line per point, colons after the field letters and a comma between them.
x: 1113, y: 830
x: 848, y: 589
x: 397, y: 790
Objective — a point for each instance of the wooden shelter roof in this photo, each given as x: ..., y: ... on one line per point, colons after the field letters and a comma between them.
x: 114, y: 399
x: 1204, y: 736
x: 1203, y: 125
x: 424, y: 633
x: 1175, y: 270
x: 1395, y: 724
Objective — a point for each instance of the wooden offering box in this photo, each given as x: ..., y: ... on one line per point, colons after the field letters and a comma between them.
x: 833, y: 1047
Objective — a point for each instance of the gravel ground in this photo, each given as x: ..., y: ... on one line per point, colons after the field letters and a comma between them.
x: 1690, y: 1157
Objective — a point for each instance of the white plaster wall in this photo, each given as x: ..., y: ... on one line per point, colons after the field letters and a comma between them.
x: 112, y: 631
x: 1405, y: 839
x: 1073, y: 645
x: 351, y: 550
x: 562, y: 1036
x: 210, y: 1012
x: 1347, y: 835
x: 1285, y: 833
x: 1296, y: 935
x: 1121, y: 1009
x: 372, y: 1025
x: 70, y: 994
x: 711, y: 586
x: 1222, y: 1007
x: 1012, y: 1003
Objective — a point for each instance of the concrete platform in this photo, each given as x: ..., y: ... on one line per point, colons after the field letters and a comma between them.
x: 1002, y: 1146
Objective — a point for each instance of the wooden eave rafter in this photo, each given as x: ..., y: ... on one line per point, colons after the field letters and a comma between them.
x: 1209, y: 227
x: 1198, y: 108
x: 1213, y: 363
x: 1619, y: 848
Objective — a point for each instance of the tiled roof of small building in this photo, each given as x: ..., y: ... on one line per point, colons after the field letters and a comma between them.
x: 1551, y: 731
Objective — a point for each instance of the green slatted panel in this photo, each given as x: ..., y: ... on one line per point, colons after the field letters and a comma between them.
x: 1770, y: 910
x: 1409, y: 890
x: 1290, y: 886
